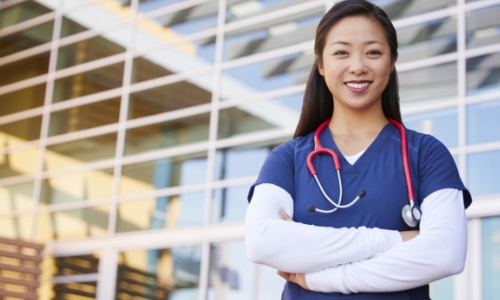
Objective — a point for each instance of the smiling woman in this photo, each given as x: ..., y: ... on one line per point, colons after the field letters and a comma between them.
x: 413, y: 199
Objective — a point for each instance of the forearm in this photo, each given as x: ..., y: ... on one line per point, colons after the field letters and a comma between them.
x: 439, y: 251
x: 300, y: 248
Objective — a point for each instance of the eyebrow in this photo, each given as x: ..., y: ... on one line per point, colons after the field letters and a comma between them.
x: 366, y: 43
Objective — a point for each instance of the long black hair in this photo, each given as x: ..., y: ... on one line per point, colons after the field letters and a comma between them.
x: 318, y: 100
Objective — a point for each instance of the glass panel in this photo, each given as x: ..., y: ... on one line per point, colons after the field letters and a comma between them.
x: 162, y: 212
x: 24, y: 99
x: 425, y: 40
x: 99, y: 14
x: 16, y: 197
x: 483, y: 27
x: 279, y: 113
x: 72, y: 224
x: 442, y: 289
x: 94, y: 48
x: 482, y: 173
x: 166, y: 172
x: 229, y: 204
x: 72, y: 290
x: 16, y: 228
x: 24, y: 69
x: 491, y: 257
x: 21, y: 12
x: 15, y: 163
x: 149, y: 5
x: 89, y: 82
x: 397, y: 9
x: 239, y: 10
x: 442, y: 124
x: 77, y: 187
x: 243, y: 161
x: 84, y: 117
x: 483, y: 122
x: 428, y: 86
x: 178, y: 58
x: 483, y: 74
x: 156, y: 30
x: 232, y: 276
x: 70, y: 27
x: 270, y: 35
x: 171, y: 97
x: 167, y: 134
x: 26, y: 39
x: 20, y: 132
x: 80, y: 152
x: 159, y: 274
x: 270, y: 285
x: 266, y: 75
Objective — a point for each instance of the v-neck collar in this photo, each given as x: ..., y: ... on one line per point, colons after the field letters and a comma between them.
x: 371, y: 153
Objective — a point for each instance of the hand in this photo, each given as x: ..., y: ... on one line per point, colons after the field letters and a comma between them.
x: 408, y: 235
x: 299, y: 279
x: 284, y: 216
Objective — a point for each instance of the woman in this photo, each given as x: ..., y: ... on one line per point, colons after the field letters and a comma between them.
x: 366, y: 251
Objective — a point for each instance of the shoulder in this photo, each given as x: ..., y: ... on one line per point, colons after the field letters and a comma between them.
x: 425, y: 144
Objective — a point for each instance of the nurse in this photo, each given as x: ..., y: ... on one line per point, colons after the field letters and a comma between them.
x: 367, y: 250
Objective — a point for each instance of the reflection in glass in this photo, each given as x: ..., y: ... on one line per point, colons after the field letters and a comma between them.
x: 269, y: 35
x: 483, y: 122
x: 442, y: 289
x: 266, y: 75
x: 77, y: 187
x: 428, y: 86
x: 16, y: 197
x: 482, y: 172
x: 167, y: 134
x: 243, y: 161
x: 20, y: 132
x: 89, y: 82
x: 189, y: 56
x: 239, y: 10
x: 166, y: 172
x: 162, y: 212
x: 229, y: 204
x: 279, y: 113
x: 483, y: 74
x: 171, y: 97
x: 72, y: 224
x: 20, y: 162
x: 159, y: 273
x: 158, y: 30
x: 25, y: 69
x: 99, y: 14
x: 403, y: 8
x: 80, y: 152
x: 70, y: 27
x: 425, y: 40
x: 232, y: 276
x: 23, y: 99
x: 25, y: 39
x: 146, y: 6
x: 442, y: 124
x: 91, y: 49
x: 491, y: 257
x: 22, y: 12
x: 16, y: 228
x: 84, y: 117
x: 483, y: 27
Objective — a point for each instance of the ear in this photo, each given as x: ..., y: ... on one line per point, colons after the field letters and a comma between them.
x: 320, y: 69
x: 393, y: 63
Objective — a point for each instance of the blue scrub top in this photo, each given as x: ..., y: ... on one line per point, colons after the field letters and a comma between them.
x: 379, y: 171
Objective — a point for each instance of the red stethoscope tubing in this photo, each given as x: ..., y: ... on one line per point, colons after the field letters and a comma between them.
x: 318, y: 148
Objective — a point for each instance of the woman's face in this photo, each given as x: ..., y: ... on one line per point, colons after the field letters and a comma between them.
x: 356, y: 63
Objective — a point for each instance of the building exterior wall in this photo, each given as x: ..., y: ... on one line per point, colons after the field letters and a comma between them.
x: 130, y: 132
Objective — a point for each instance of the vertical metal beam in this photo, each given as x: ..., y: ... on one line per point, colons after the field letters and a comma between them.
x: 108, y: 266
x: 475, y: 260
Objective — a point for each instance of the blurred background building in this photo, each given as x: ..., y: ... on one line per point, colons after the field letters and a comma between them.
x: 131, y: 130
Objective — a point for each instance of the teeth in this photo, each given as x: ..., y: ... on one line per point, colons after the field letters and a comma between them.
x: 358, y: 85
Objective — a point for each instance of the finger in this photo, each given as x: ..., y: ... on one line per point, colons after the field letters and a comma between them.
x: 285, y: 216
x: 284, y: 275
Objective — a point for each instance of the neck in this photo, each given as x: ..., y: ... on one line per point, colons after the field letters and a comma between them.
x: 349, y: 122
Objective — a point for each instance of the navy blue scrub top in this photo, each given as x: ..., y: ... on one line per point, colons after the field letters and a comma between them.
x: 379, y: 171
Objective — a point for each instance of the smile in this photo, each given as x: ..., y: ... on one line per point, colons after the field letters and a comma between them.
x: 358, y: 86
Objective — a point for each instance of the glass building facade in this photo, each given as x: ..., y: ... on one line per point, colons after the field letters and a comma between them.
x: 131, y: 130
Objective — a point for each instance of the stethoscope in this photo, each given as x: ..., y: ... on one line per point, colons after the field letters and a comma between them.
x: 411, y: 213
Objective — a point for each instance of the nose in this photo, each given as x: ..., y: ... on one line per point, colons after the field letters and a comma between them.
x: 358, y: 66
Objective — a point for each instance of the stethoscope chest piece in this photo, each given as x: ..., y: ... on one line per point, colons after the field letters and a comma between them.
x: 411, y: 215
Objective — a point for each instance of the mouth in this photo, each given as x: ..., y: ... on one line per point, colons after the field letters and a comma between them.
x: 357, y: 86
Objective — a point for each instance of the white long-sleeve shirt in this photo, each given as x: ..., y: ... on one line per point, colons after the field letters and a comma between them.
x: 351, y: 260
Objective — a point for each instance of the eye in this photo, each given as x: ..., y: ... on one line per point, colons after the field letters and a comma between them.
x: 374, y: 52
x: 340, y: 52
